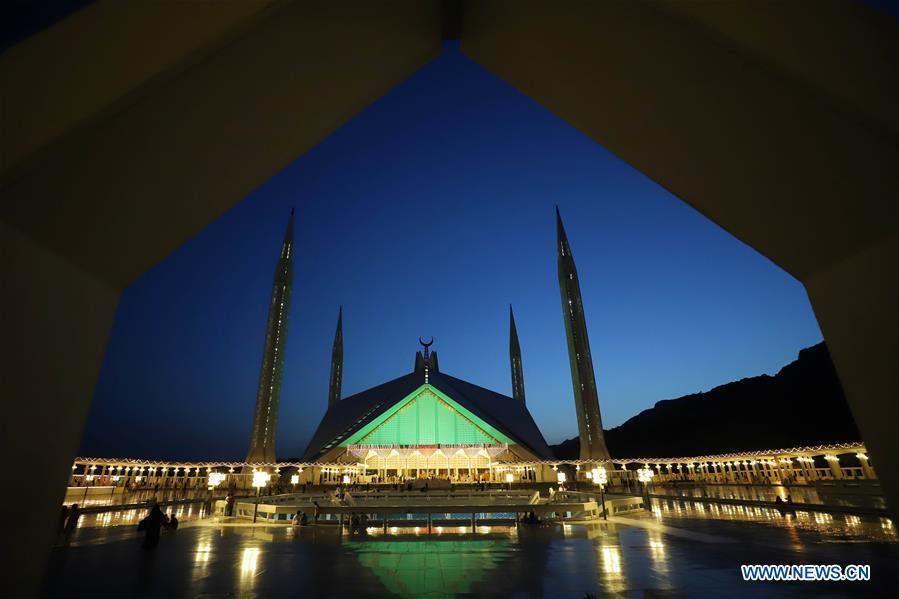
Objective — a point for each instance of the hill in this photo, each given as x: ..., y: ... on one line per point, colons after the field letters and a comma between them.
x: 803, y: 404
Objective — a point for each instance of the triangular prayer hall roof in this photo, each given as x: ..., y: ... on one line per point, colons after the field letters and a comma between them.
x: 348, y: 415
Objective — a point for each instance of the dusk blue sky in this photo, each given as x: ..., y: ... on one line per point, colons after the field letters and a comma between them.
x: 428, y: 214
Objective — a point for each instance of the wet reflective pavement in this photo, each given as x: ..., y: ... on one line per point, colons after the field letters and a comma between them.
x: 667, y: 552
x: 184, y: 513
x: 80, y: 496
x: 799, y: 493
x: 830, y: 527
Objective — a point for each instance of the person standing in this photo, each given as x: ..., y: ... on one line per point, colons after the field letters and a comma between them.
x: 151, y: 526
x: 61, y: 523
x: 363, y: 523
x: 72, y: 521
x: 207, y: 504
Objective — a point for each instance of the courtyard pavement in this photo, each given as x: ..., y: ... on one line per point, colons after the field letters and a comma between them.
x: 666, y: 553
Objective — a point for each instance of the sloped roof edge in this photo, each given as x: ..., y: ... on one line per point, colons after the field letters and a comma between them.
x: 351, y: 413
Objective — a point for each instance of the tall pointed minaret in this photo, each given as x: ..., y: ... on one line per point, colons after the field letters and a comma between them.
x: 583, y: 381
x: 336, y: 362
x: 265, y: 421
x: 515, y: 360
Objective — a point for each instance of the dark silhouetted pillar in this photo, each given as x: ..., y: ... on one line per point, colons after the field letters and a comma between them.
x: 336, y: 362
x: 586, y: 399
x: 268, y: 396
x: 515, y: 360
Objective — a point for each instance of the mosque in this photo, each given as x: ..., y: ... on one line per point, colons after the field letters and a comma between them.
x: 427, y: 424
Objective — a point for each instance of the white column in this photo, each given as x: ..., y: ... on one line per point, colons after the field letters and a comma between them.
x: 866, y: 467
x: 834, y: 463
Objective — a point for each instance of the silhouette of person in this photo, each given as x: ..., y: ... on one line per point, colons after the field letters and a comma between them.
x: 173, y: 521
x: 151, y: 525
x: 61, y: 523
x: 72, y: 521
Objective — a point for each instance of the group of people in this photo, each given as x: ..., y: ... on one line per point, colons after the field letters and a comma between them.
x: 68, y: 522
x: 531, y: 518
x: 153, y: 523
x: 342, y: 496
x: 302, y: 518
x: 358, y: 523
x: 784, y: 506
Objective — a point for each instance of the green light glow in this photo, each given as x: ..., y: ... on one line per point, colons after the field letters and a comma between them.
x: 430, y: 568
x: 425, y: 417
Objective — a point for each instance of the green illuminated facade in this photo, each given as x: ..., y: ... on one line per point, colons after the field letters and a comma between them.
x: 427, y: 417
x: 426, y: 425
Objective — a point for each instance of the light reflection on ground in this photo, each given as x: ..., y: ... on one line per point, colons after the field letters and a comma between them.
x: 677, y: 549
x: 184, y: 513
x: 800, y: 494
x: 86, y: 497
x: 837, y: 527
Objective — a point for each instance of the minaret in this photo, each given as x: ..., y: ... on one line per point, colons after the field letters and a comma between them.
x: 586, y: 400
x: 336, y: 362
x: 515, y: 360
x: 265, y: 421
